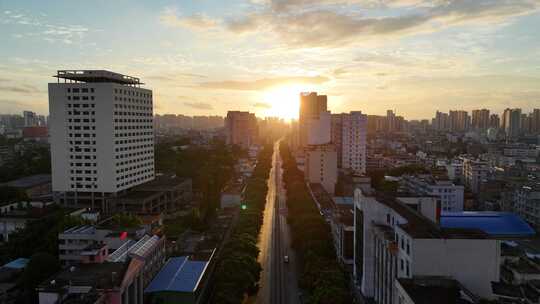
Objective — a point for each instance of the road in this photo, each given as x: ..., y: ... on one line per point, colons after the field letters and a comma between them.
x: 278, y: 284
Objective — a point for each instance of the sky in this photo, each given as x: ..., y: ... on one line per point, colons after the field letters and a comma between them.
x: 204, y: 57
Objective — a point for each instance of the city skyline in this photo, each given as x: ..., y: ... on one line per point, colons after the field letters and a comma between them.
x: 412, y: 56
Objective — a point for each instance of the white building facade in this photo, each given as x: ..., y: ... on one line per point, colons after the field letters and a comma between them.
x: 101, y: 134
x: 451, y: 196
x: 393, y: 241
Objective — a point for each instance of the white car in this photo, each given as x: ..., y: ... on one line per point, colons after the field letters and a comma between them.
x: 286, y: 259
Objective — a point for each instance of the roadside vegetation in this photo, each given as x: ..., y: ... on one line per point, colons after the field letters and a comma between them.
x: 210, y: 168
x: 238, y: 270
x: 320, y: 275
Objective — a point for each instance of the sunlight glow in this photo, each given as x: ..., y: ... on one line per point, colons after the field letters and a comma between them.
x: 283, y: 101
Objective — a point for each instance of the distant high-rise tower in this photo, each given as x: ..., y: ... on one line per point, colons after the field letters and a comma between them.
x: 30, y: 119
x: 311, y: 105
x: 494, y: 121
x: 101, y: 135
x: 459, y: 120
x: 241, y: 128
x: 480, y: 119
x: 354, y: 132
x: 511, y: 123
x: 535, y: 121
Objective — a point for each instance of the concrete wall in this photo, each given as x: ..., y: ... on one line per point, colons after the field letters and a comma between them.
x: 473, y: 262
x: 321, y: 166
x: 105, y: 137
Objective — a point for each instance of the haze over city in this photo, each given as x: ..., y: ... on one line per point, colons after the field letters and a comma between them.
x: 205, y: 57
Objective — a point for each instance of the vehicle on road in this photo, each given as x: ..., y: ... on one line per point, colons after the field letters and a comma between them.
x: 286, y: 259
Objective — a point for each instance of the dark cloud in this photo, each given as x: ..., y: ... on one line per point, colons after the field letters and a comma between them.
x: 199, y: 105
x: 304, y: 23
x: 262, y: 84
x: 263, y: 105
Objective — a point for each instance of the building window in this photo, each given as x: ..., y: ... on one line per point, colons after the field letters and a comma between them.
x: 408, y: 272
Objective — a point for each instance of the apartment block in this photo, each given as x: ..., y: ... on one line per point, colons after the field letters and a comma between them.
x: 101, y: 136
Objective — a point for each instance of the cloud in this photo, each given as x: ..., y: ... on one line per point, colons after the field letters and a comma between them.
x: 171, y: 18
x: 262, y: 105
x: 25, y: 88
x: 305, y: 23
x: 199, y: 105
x: 263, y: 84
x: 175, y: 77
x: 54, y: 33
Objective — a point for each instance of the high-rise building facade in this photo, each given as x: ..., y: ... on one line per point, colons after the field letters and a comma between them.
x: 511, y: 123
x: 101, y: 135
x: 535, y: 121
x: 311, y: 105
x: 354, y: 132
x: 241, y: 128
x: 30, y: 119
x: 441, y: 122
x: 494, y: 121
x: 480, y: 119
x: 459, y: 120
x: 319, y: 129
x: 336, y: 135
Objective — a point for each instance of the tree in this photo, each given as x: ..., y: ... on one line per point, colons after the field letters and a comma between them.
x: 41, y: 266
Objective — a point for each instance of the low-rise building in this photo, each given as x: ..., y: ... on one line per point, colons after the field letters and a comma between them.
x: 526, y: 201
x: 395, y: 241
x: 231, y: 196
x: 342, y: 228
x: 34, y: 186
x: 449, y: 194
x: 118, y: 278
x: 475, y: 173
x: 164, y: 194
x: 424, y: 290
x: 181, y: 280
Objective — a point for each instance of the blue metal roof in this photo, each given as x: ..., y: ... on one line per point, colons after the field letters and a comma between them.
x: 19, y: 263
x: 179, y: 275
x: 492, y: 223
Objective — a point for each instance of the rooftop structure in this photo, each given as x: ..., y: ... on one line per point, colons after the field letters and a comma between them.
x: 29, y: 181
x: 496, y: 224
x: 19, y: 263
x: 423, y: 290
x: 96, y: 76
x: 180, y: 274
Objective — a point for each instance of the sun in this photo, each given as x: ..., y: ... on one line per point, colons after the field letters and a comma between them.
x: 283, y: 102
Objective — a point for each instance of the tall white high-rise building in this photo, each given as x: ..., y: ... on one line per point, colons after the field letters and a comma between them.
x: 353, y: 141
x: 101, y: 135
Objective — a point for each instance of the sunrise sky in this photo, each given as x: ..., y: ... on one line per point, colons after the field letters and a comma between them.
x: 206, y: 57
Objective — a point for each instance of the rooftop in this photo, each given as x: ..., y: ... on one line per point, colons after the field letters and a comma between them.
x: 100, y: 276
x: 96, y: 76
x: 180, y: 274
x: 423, y: 290
x: 496, y: 224
x: 419, y: 226
x: 85, y: 229
x: 162, y: 182
x: 19, y: 263
x: 29, y: 181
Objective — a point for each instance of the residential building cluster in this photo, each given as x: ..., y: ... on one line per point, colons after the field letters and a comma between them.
x: 421, y: 210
